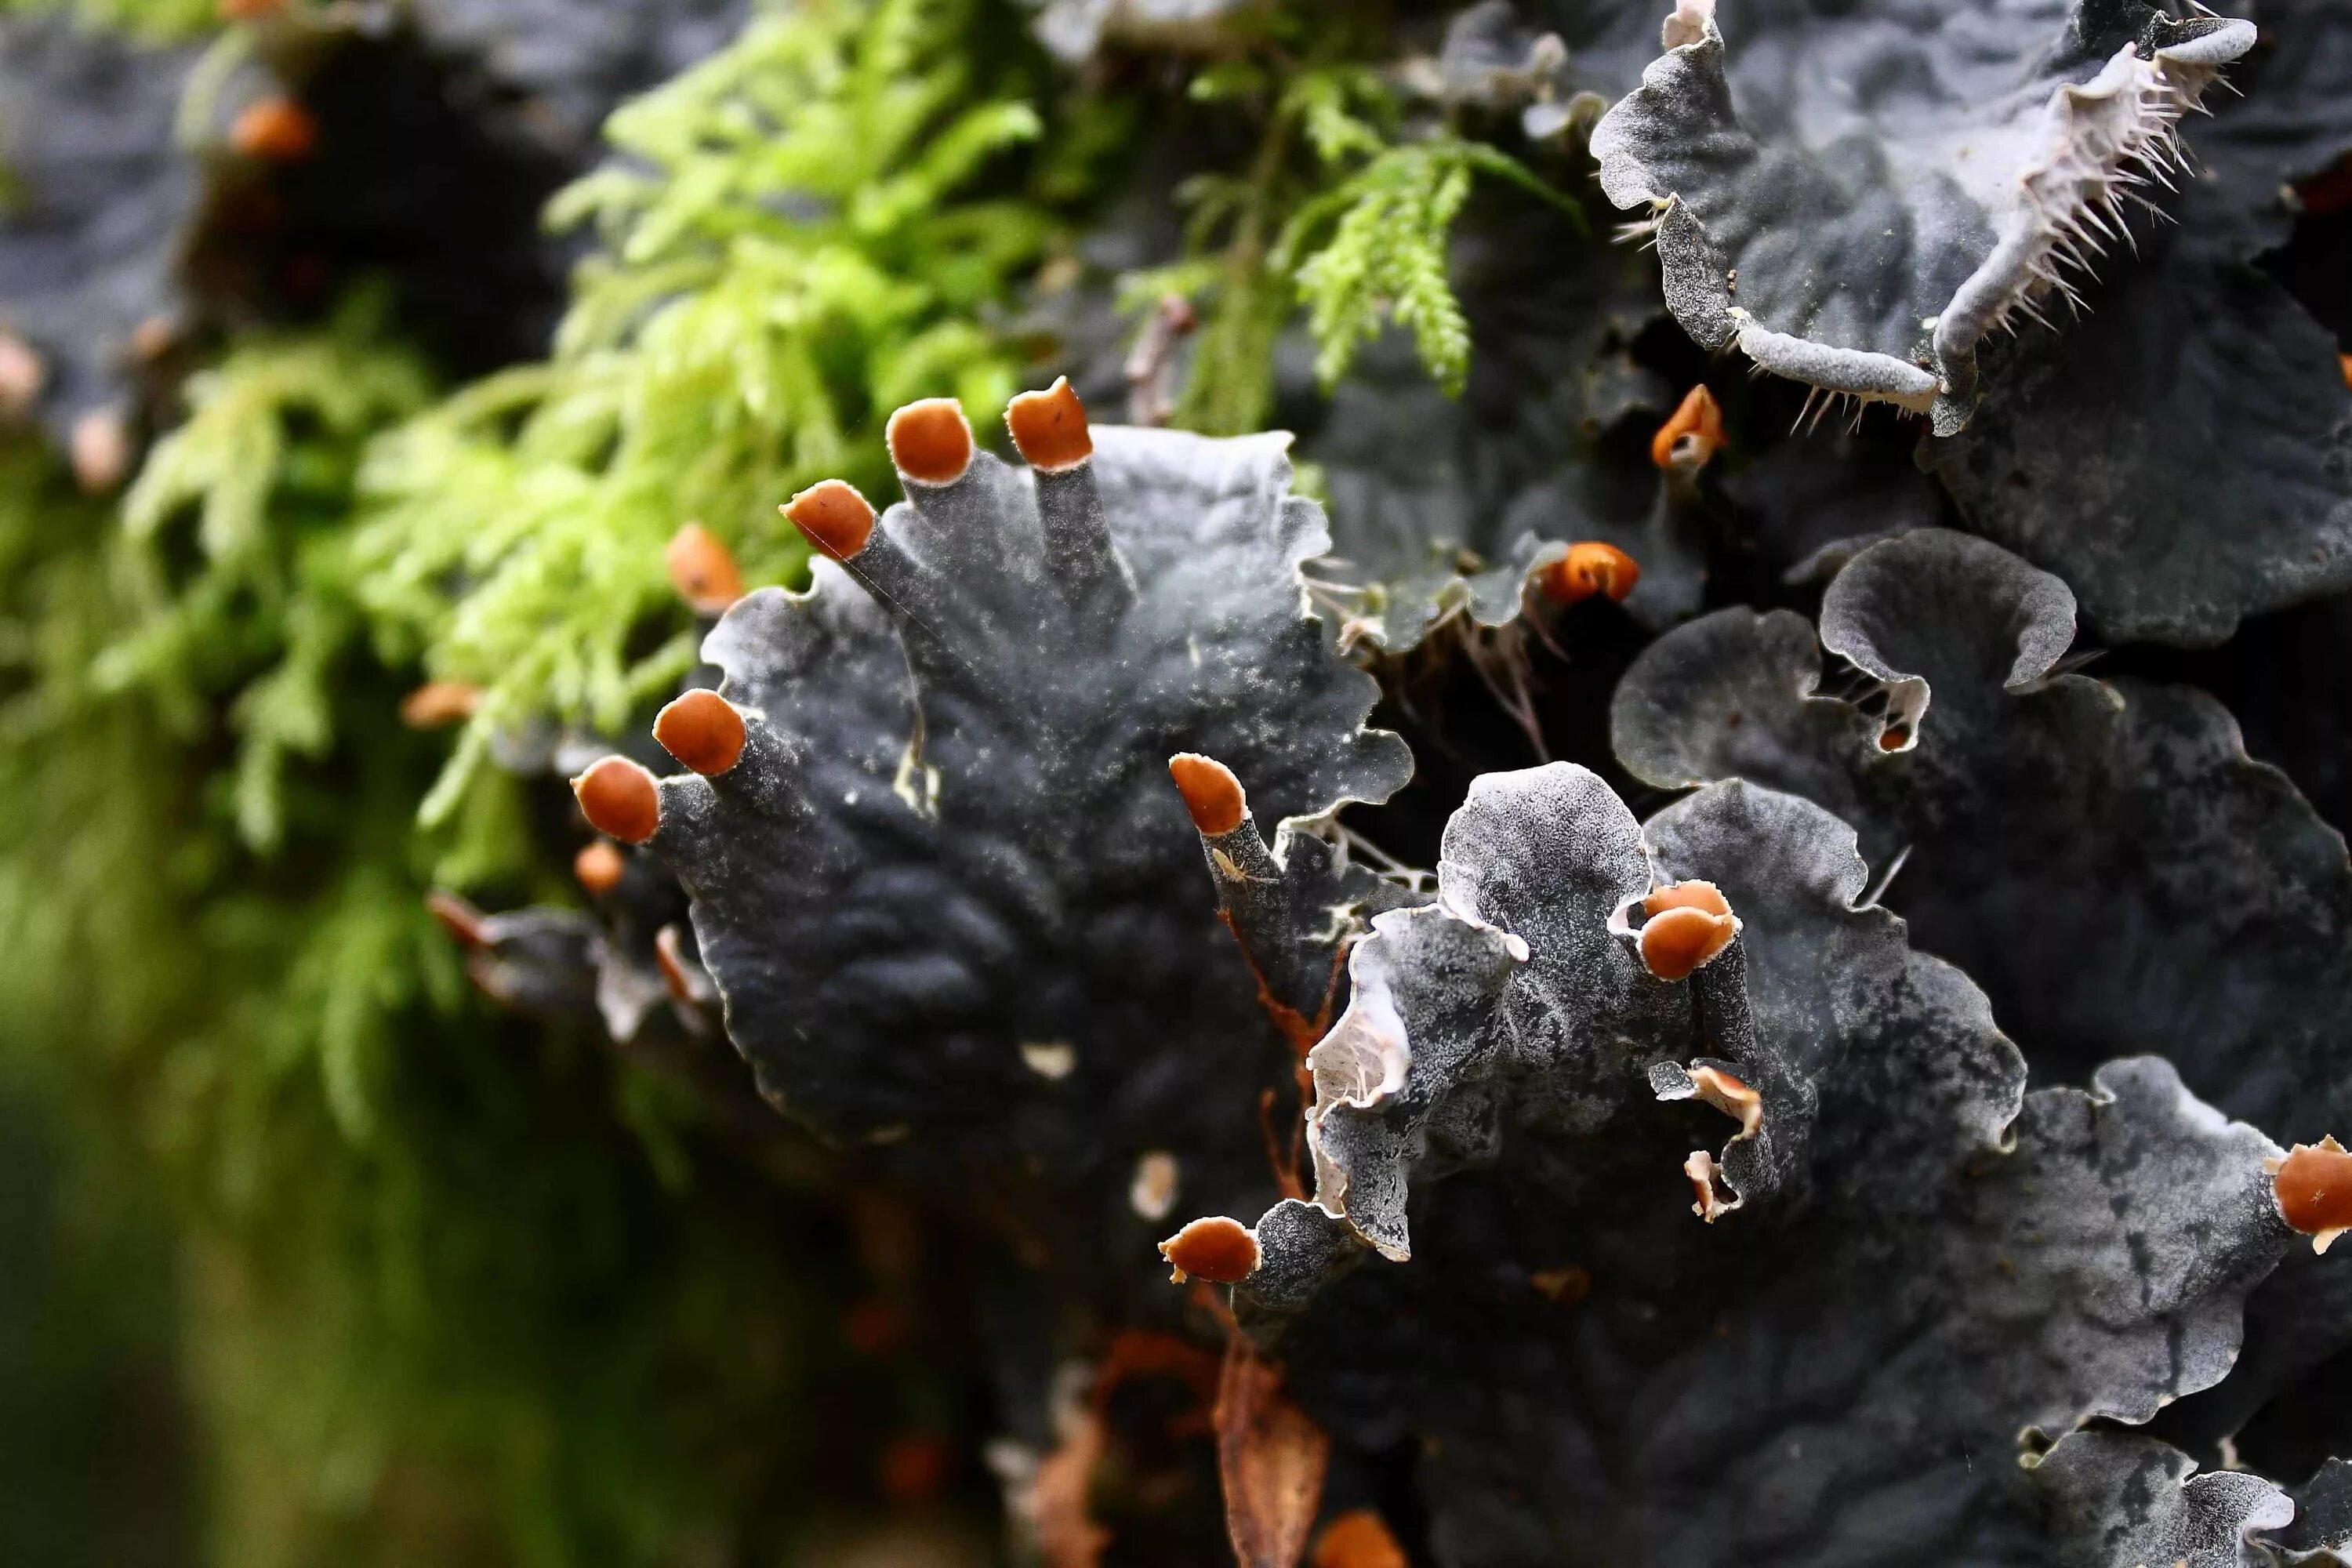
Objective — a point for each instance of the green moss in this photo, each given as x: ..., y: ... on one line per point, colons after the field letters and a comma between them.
x: 1347, y: 206
x: 811, y: 227
x: 154, y: 21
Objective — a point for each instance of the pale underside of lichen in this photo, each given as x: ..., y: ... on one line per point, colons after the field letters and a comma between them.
x: 2032, y: 191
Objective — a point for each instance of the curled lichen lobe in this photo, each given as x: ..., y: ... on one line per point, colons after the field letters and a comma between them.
x: 1049, y: 427
x: 930, y: 441
x: 702, y: 570
x: 701, y: 730
x: 619, y: 797
x: 1590, y: 567
x: 833, y: 517
x: 1692, y: 435
x: 1688, y: 924
x: 2313, y: 1187
x: 1211, y: 795
x: 1223, y: 1251
x: 1731, y: 1095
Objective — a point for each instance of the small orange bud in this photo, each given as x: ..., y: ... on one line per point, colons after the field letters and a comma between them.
x: 1677, y: 940
x: 619, y: 797
x: 1892, y: 738
x: 1211, y: 795
x: 1691, y: 895
x: 22, y: 375
x: 1693, y: 435
x: 99, y: 448
x: 703, y: 729
x: 153, y: 338
x: 702, y: 571
x: 930, y: 441
x: 2344, y: 363
x: 437, y: 703
x: 247, y: 10
x: 2314, y: 1189
x: 276, y: 128
x: 1049, y: 427
x: 1222, y: 1251
x: 1358, y: 1539
x: 1589, y: 567
x: 598, y: 867
x: 833, y: 516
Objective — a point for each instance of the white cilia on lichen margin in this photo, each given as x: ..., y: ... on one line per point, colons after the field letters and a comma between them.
x: 1866, y: 241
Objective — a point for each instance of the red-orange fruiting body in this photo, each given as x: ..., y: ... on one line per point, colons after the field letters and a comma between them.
x: 153, y: 338
x: 619, y: 797
x: 1892, y: 738
x: 1691, y: 895
x: 1676, y: 942
x: 99, y: 448
x: 833, y: 516
x: 1211, y: 795
x: 455, y: 915
x: 2344, y: 363
x: 247, y: 10
x: 702, y: 571
x: 1693, y: 435
x: 598, y: 867
x: 22, y: 375
x: 1589, y: 567
x: 437, y: 703
x: 2314, y: 1188
x: 1358, y: 1539
x: 703, y: 729
x: 1222, y: 1251
x: 930, y: 441
x: 278, y: 129
x: 1049, y: 427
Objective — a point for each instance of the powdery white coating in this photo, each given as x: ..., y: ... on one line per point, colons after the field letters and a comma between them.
x: 1923, y: 1262
x: 1889, y: 186
x: 2102, y: 856
x: 2120, y: 1498
x: 952, y: 831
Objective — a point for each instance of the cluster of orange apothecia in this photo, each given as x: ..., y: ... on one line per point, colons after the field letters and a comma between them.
x: 1687, y: 924
x: 2312, y: 1186
x: 930, y: 443
x: 1683, y: 446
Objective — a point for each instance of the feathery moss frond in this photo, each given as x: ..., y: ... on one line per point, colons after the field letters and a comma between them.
x: 792, y: 246
x: 237, y: 551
